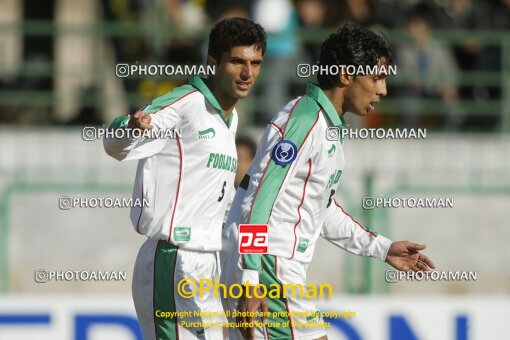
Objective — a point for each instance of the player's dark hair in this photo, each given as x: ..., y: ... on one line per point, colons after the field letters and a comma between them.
x: 355, y: 45
x: 232, y: 32
x: 248, y: 143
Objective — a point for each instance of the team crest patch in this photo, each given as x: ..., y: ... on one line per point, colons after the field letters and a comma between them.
x: 284, y: 153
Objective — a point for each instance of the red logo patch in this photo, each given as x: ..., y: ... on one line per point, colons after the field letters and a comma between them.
x: 253, y: 239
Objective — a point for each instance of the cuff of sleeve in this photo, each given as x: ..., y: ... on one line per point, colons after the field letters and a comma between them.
x: 250, y: 275
x: 126, y: 122
x: 380, y: 247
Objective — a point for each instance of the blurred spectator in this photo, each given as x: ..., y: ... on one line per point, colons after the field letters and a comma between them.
x: 432, y: 71
x: 188, y: 17
x: 469, y: 14
x: 62, y: 68
x: 223, y: 9
x: 32, y: 70
x: 10, y: 40
x: 359, y: 11
x: 246, y: 149
x: 500, y: 14
x: 475, y: 56
x: 125, y: 49
x: 390, y: 13
x: 312, y: 14
x: 281, y: 58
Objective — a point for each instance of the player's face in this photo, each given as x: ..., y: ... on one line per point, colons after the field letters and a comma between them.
x: 237, y: 71
x: 364, y: 93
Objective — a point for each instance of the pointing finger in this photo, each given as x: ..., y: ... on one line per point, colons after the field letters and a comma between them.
x: 415, y: 246
x: 427, y: 261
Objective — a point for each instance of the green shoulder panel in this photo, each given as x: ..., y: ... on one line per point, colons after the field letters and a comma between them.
x: 157, y: 104
x: 169, y: 98
x: 304, y: 116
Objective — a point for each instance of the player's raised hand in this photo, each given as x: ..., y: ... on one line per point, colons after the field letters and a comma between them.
x: 140, y: 120
x: 251, y: 305
x: 406, y: 256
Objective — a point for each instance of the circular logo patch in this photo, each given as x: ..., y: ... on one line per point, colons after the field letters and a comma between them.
x: 284, y: 153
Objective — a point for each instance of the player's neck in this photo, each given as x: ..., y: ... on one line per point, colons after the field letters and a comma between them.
x: 227, y: 103
x: 336, y: 97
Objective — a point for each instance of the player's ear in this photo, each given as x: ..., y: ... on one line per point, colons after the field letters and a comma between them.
x: 345, y: 79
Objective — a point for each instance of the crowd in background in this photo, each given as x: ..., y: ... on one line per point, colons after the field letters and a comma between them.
x: 429, y: 68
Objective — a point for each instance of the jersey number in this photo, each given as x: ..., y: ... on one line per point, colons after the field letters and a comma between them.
x: 330, y: 198
x: 222, y: 192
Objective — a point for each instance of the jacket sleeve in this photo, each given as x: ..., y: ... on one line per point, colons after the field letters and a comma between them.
x: 129, y: 148
x: 343, y: 231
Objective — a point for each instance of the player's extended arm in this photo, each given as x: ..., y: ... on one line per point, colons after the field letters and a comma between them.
x: 345, y: 232
x: 342, y: 230
x: 405, y: 255
x: 128, y: 148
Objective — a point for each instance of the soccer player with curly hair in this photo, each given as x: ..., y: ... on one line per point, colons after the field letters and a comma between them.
x: 290, y: 187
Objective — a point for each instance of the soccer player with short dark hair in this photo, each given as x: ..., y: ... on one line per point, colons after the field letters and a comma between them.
x: 291, y: 184
x: 189, y: 182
